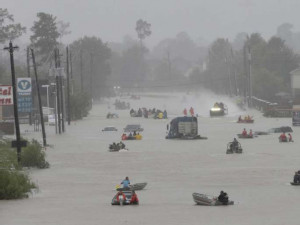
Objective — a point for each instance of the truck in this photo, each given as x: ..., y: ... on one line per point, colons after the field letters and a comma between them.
x: 183, y: 128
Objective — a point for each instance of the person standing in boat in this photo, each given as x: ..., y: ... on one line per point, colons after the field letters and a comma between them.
x: 126, y: 183
x: 223, y: 197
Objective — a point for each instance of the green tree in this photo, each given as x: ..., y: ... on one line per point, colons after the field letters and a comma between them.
x: 143, y: 29
x: 45, y: 34
x: 9, y: 30
x: 95, y: 64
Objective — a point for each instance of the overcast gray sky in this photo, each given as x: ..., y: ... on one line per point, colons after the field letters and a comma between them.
x: 111, y: 20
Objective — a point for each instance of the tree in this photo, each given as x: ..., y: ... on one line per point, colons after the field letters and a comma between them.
x: 143, y: 29
x: 96, y: 69
x: 8, y: 30
x: 62, y: 29
x: 45, y: 34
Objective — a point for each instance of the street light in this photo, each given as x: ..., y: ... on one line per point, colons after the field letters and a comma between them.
x: 47, y: 86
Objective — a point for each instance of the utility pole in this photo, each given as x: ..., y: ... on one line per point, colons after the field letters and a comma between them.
x: 68, y: 87
x: 245, y: 70
x: 28, y: 74
x: 91, y: 75
x: 39, y: 98
x: 56, y: 55
x: 71, y: 70
x: 81, y: 67
x: 11, y: 49
x: 229, y: 80
x: 250, y: 76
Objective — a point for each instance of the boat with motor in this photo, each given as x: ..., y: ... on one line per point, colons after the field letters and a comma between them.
x: 202, y: 199
x: 123, y: 198
x: 184, y: 128
x: 245, y: 136
x: 134, y: 187
x: 234, y: 147
x: 219, y: 109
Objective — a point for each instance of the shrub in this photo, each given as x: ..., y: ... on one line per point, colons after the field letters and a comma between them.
x: 14, y: 184
x: 34, y: 156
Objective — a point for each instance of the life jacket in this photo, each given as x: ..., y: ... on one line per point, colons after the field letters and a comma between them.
x: 124, y: 197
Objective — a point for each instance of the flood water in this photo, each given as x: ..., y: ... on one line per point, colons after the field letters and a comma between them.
x: 79, y: 186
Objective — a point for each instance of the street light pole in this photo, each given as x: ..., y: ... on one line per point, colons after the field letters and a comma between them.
x: 47, y: 86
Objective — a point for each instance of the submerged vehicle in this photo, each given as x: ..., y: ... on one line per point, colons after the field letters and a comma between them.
x: 202, y: 199
x: 109, y: 129
x: 134, y: 187
x: 123, y: 198
x: 285, y: 129
x: 185, y: 128
x: 219, y: 109
x: 133, y: 127
x: 234, y: 147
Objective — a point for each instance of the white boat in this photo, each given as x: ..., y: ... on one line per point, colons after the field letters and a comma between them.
x: 202, y: 199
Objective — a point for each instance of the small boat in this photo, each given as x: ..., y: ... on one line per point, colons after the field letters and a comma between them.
x: 245, y: 121
x: 234, y: 148
x: 123, y: 198
x: 134, y: 187
x: 202, y: 199
x: 118, y: 150
x: 244, y: 136
x: 295, y: 184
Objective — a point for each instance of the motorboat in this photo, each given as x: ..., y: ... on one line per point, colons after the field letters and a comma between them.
x: 202, y: 199
x: 134, y: 187
x: 123, y: 198
x: 234, y: 148
x: 218, y: 110
x: 245, y: 136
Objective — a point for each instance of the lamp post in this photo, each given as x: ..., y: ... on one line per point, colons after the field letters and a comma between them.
x: 47, y: 86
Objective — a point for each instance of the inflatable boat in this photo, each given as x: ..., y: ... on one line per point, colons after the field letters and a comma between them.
x: 202, y: 199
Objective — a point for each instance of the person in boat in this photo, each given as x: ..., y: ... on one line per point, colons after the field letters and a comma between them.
x: 223, y: 197
x: 126, y: 182
x: 114, y: 145
x: 120, y: 193
x: 192, y: 111
x: 250, y: 133
x: 130, y: 135
x: 240, y: 118
x: 134, y: 133
x: 216, y: 105
x: 134, y: 199
x: 124, y: 137
x: 297, y: 177
x: 165, y: 114
x: 122, y: 145
x: 290, y: 137
x: 282, y: 137
x: 221, y: 105
x: 244, y: 133
x: 185, y: 112
x: 235, y: 144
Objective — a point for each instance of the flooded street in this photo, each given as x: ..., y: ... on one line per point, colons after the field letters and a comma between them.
x: 79, y: 186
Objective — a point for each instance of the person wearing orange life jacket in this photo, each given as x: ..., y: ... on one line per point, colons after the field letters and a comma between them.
x: 192, y: 111
x: 119, y: 194
x: 185, y: 112
x: 134, y: 199
x: 250, y: 133
x: 290, y: 137
x: 244, y: 133
x: 282, y: 137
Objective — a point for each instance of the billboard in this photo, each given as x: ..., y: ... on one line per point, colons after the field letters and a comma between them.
x: 24, y: 87
x: 6, y: 95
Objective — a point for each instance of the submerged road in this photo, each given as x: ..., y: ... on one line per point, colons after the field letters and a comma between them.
x: 79, y: 186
